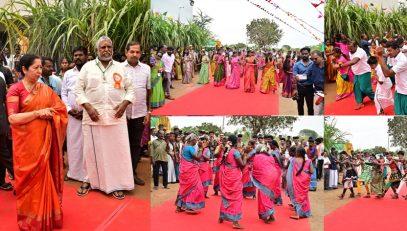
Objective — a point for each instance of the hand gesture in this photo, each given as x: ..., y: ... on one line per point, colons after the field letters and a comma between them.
x: 120, y: 109
x: 46, y: 113
x: 93, y: 113
x: 379, y: 51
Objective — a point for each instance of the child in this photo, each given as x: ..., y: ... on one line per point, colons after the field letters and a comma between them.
x: 384, y: 95
x: 395, y: 177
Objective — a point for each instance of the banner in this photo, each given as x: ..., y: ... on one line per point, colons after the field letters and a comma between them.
x: 279, y: 19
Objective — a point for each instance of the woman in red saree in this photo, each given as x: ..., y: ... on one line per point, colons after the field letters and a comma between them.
x: 205, y: 170
x: 38, y: 119
x: 265, y: 176
x: 249, y: 73
x: 231, y: 187
x: 298, y: 184
x: 249, y: 190
x: 190, y: 196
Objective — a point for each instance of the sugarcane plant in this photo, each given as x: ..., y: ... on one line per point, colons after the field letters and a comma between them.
x: 345, y: 17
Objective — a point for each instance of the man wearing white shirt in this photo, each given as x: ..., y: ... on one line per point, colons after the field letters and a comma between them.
x: 74, y: 134
x: 400, y: 72
x: 138, y: 112
x: 362, y: 80
x: 168, y: 60
x: 104, y: 90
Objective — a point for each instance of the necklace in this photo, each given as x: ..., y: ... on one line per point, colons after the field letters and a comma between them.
x: 26, y: 86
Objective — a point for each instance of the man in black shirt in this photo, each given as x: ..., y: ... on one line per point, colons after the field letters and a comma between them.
x: 6, y: 161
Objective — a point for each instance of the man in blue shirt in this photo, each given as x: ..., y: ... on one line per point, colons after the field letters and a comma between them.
x: 305, y: 87
x: 317, y: 76
x: 52, y: 81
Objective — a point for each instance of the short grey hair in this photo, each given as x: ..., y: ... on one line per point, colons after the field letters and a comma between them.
x: 101, y: 39
x: 191, y: 137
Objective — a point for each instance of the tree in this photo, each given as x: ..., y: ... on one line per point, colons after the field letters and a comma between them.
x: 263, y: 32
x: 204, y: 126
x: 308, y: 133
x: 332, y: 134
x: 398, y: 131
x: 377, y: 150
x: 202, y: 19
x: 286, y: 47
x: 264, y: 124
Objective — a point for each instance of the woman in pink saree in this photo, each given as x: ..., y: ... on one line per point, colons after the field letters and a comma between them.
x: 249, y: 190
x: 234, y: 79
x: 205, y: 170
x: 231, y: 187
x: 298, y: 183
x: 275, y: 152
x: 190, y: 196
x: 265, y: 177
x: 218, y: 154
x: 249, y: 73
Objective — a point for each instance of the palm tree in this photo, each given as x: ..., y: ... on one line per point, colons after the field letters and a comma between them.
x: 332, y: 134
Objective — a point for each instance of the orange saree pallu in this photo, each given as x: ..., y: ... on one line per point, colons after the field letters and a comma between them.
x: 38, y: 163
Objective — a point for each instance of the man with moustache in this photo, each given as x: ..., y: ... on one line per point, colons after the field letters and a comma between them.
x: 74, y: 138
x: 399, y: 69
x: 305, y: 88
x: 138, y: 113
x: 104, y: 90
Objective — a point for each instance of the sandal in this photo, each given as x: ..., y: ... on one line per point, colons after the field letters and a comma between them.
x: 6, y: 187
x: 83, y: 190
x: 118, y: 195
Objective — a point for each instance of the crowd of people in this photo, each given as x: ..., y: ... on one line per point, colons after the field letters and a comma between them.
x: 376, y: 172
x: 359, y: 66
x: 237, y: 167
x: 301, y: 73
x: 84, y: 104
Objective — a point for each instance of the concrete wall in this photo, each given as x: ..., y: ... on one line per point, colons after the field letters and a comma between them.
x: 177, y: 9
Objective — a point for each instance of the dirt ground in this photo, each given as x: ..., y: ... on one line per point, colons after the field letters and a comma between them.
x: 330, y: 92
x: 162, y: 195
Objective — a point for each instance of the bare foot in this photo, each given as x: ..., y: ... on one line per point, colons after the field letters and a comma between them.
x: 179, y: 210
x: 220, y: 220
x: 359, y: 106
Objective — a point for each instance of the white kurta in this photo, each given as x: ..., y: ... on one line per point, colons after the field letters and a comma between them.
x: 384, y: 95
x: 74, y: 136
x: 171, y: 167
x: 106, y: 142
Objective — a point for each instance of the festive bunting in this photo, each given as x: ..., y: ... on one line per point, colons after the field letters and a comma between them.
x: 297, y: 19
x: 282, y: 21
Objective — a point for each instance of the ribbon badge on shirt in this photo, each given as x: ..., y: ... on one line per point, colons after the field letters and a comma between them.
x: 117, y: 80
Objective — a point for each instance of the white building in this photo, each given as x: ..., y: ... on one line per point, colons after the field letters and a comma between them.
x: 177, y: 9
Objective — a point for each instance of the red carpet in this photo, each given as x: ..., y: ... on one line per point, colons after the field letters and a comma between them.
x: 96, y: 211
x: 369, y: 214
x: 165, y: 218
x: 210, y: 100
x: 346, y: 107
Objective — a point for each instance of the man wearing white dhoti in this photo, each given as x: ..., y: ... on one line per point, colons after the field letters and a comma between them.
x: 384, y: 95
x: 104, y: 90
x: 74, y: 131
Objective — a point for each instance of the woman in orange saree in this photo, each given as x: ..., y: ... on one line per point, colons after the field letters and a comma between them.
x: 38, y: 119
